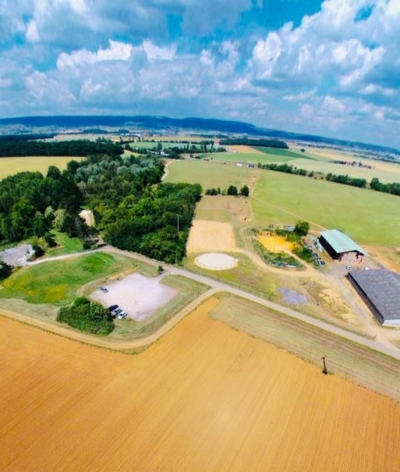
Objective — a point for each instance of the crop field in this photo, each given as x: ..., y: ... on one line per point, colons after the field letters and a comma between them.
x: 203, y: 398
x: 210, y: 174
x: 13, y: 165
x: 57, y: 282
x: 357, y: 363
x: 367, y: 216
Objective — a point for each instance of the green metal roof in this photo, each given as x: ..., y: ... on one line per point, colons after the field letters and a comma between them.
x: 340, y: 242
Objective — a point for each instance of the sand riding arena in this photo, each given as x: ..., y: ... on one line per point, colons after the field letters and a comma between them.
x: 216, y: 261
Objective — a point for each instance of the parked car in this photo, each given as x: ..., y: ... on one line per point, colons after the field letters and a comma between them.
x: 112, y: 308
x: 122, y: 315
x: 104, y: 289
x: 117, y: 311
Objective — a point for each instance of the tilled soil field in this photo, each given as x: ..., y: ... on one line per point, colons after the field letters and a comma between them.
x: 203, y: 398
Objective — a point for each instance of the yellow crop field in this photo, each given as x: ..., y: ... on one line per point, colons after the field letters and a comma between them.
x: 13, y: 165
x: 275, y: 243
x: 203, y: 398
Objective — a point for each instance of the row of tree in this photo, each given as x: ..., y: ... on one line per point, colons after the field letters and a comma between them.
x: 392, y: 188
x: 231, y: 190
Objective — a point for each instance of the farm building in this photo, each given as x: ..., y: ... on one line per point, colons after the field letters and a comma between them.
x: 337, y: 243
x: 380, y: 290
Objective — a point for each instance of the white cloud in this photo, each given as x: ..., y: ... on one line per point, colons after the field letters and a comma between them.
x: 117, y: 51
x: 155, y: 53
x: 32, y: 33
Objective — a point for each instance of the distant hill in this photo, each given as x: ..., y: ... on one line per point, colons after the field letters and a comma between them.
x: 163, y: 123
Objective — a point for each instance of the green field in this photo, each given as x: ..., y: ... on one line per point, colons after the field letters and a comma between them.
x: 367, y: 216
x: 66, y: 245
x: 385, y: 175
x: 283, y: 153
x: 57, y: 282
x: 209, y: 174
x: 151, y: 145
x: 13, y: 165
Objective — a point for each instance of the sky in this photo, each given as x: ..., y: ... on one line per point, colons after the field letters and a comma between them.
x: 329, y: 67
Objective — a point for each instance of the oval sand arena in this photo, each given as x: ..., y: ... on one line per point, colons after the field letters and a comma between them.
x: 216, y: 261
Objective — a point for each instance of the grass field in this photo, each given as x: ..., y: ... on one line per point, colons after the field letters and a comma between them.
x: 203, y: 398
x: 367, y: 216
x: 210, y: 174
x: 66, y: 245
x: 57, y: 282
x: 13, y: 165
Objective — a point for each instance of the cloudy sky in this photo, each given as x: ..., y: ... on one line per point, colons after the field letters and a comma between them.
x: 325, y: 67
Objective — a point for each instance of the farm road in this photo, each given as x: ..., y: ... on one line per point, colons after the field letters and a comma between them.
x: 215, y: 286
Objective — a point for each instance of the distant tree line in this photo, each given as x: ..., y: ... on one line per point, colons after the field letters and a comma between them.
x: 231, y: 190
x: 13, y: 147
x: 391, y: 188
x: 272, y: 143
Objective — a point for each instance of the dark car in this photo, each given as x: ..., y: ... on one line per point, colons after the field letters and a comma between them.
x: 112, y: 308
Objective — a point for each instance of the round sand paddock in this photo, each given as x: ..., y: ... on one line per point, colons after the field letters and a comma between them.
x: 216, y: 261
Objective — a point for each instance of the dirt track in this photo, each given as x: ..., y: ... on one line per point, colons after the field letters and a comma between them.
x: 204, y: 398
x: 380, y: 345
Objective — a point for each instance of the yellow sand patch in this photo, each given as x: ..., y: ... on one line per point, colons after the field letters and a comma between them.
x: 211, y: 236
x: 275, y: 243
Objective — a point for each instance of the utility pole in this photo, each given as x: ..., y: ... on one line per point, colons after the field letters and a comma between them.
x: 324, y: 370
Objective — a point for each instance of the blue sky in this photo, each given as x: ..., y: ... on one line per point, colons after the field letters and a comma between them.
x: 324, y: 67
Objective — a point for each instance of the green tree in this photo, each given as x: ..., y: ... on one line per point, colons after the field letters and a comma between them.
x: 5, y: 270
x: 302, y: 228
x: 244, y: 191
x: 232, y: 190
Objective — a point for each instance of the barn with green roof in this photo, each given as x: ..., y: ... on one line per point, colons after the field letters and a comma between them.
x: 337, y: 244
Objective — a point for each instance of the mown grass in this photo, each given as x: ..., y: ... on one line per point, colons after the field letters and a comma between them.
x: 209, y: 174
x: 368, y: 217
x: 285, y: 154
x: 188, y: 290
x: 246, y: 276
x: 66, y: 245
x: 13, y: 165
x: 57, y: 282
x: 360, y: 364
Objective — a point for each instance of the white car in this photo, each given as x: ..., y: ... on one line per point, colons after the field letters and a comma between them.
x: 122, y: 315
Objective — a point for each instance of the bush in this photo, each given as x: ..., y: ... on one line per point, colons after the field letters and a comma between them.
x: 5, y: 270
x: 87, y: 316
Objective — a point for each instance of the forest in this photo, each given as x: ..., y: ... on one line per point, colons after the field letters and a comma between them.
x: 272, y: 143
x: 14, y: 147
x: 133, y: 210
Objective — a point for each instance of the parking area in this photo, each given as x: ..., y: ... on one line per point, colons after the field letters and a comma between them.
x: 139, y: 296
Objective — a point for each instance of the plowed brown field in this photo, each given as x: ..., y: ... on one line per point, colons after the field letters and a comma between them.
x: 206, y: 236
x: 204, y: 398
